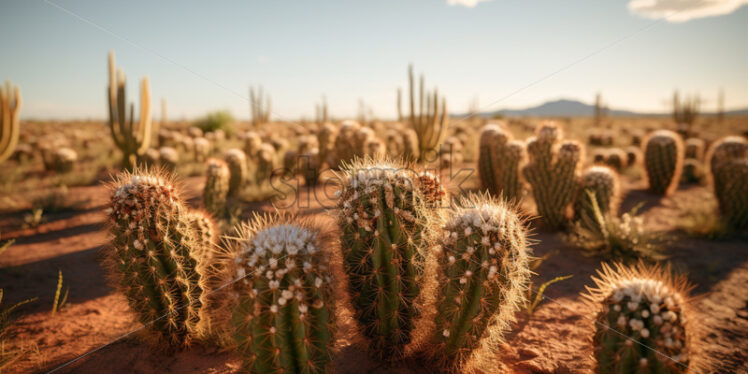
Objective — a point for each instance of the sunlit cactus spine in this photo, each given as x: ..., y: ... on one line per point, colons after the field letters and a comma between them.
x: 131, y: 137
x: 10, y: 109
x: 483, y: 278
x: 552, y: 171
x: 663, y: 161
x: 499, y: 162
x: 728, y: 164
x: 603, y: 182
x: 237, y: 163
x: 644, y: 321
x: 216, y: 191
x: 383, y: 218
x: 283, y: 320
x: 432, y: 189
x: 155, y: 257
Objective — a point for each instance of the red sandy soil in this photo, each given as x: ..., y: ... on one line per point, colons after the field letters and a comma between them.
x: 555, y: 339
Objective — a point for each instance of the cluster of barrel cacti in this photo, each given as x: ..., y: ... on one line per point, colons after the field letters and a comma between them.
x: 644, y: 322
x: 552, y: 171
x: 663, y: 161
x: 728, y: 165
x: 615, y: 158
x: 499, y: 161
x: 283, y: 318
x: 155, y: 257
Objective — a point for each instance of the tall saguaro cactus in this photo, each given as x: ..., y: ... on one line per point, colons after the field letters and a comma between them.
x: 552, y: 171
x: 483, y: 270
x: 283, y: 321
x: 10, y: 108
x: 383, y: 220
x: 132, y: 138
x: 428, y: 116
x: 155, y: 257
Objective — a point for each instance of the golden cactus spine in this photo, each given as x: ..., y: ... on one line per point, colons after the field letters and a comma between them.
x: 132, y: 138
x: 10, y: 109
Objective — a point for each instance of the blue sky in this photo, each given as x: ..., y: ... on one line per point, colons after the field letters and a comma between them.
x: 202, y: 56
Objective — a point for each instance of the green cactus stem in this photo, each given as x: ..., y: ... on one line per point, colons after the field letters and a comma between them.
x: 663, y: 161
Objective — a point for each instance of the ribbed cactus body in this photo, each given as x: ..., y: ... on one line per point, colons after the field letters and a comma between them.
x: 728, y: 163
x: 155, y: 257
x: 236, y: 160
x: 603, y: 182
x: 482, y: 281
x: 216, y: 188
x: 382, y: 218
x: 499, y: 162
x: 265, y: 163
x: 663, y: 161
x: 643, y: 324
x: 552, y: 171
x: 284, y: 318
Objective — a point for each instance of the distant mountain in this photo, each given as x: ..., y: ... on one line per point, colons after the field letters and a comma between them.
x: 574, y: 108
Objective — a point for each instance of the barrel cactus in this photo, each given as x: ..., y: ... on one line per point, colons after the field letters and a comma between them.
x: 237, y: 163
x: 499, y: 162
x: 265, y: 163
x: 383, y: 218
x: 603, y: 183
x: 155, y: 257
x: 644, y: 322
x: 552, y: 171
x: 283, y: 318
x: 216, y: 188
x: 168, y: 158
x: 483, y: 278
x: 663, y: 161
x: 63, y: 160
x: 728, y: 163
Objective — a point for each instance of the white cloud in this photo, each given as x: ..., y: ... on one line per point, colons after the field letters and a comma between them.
x: 683, y: 10
x: 466, y: 3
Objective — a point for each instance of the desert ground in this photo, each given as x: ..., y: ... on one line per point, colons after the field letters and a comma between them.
x: 95, y: 331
